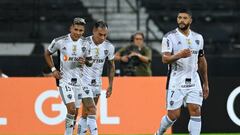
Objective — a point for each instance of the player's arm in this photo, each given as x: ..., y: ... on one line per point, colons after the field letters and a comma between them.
x: 169, y: 58
x: 167, y: 49
x: 111, y: 74
x: 50, y: 63
x: 202, y: 68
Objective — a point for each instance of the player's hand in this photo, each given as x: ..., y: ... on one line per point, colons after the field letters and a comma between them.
x: 205, y: 91
x: 109, y: 92
x: 82, y: 61
x: 57, y: 74
x: 185, y: 53
x: 124, y: 58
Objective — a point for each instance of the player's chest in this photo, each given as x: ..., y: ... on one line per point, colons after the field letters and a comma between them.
x: 74, y: 50
x: 99, y: 52
x: 186, y: 43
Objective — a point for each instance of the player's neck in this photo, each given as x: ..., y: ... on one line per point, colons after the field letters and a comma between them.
x: 95, y: 41
x: 185, y: 32
x: 73, y: 39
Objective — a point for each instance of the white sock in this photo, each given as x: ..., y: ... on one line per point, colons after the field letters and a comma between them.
x: 194, y: 125
x: 165, y: 123
x: 92, y: 124
x: 82, y: 126
x: 69, y: 124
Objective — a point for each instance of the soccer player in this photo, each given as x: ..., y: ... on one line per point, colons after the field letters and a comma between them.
x: 74, y: 53
x: 182, y: 50
x: 101, y: 49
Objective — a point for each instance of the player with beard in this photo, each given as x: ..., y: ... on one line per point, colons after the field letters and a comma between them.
x: 182, y: 50
x: 101, y: 50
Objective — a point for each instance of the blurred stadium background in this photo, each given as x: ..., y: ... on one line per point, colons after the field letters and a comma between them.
x: 28, y: 26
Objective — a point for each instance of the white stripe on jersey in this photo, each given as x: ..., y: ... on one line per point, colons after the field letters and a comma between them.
x: 92, y: 75
x: 184, y: 71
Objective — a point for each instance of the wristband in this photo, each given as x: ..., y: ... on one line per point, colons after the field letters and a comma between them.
x: 53, y: 69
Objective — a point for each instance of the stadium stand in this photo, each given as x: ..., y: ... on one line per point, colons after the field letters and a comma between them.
x: 38, y: 20
x: 217, y: 20
x: 32, y: 24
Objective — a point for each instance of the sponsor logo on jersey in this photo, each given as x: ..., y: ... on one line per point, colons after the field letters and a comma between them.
x: 67, y: 58
x: 194, y: 52
x: 187, y: 85
x: 98, y: 60
x: 168, y: 43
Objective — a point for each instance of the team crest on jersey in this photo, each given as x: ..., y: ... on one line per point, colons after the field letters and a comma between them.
x: 79, y: 96
x: 86, y: 91
x: 179, y: 43
x: 83, y: 49
x: 171, y: 103
x: 69, y: 96
x: 93, y: 82
x: 105, y: 52
x: 197, y: 42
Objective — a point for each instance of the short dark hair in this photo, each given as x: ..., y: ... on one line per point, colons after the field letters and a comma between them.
x: 78, y: 21
x: 185, y: 10
x: 100, y: 24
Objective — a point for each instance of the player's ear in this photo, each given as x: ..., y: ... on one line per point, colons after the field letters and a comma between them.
x: 70, y: 28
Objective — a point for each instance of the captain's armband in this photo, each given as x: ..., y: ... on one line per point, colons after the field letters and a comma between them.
x: 201, y: 53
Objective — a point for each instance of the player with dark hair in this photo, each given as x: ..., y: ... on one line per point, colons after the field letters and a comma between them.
x: 182, y: 50
x: 101, y: 49
x: 74, y: 53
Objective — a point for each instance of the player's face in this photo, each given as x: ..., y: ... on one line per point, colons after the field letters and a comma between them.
x: 76, y: 31
x: 100, y: 35
x: 184, y: 21
x: 138, y: 40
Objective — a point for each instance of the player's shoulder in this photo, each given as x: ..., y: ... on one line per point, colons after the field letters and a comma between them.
x: 88, y: 39
x: 108, y: 44
x: 172, y: 32
x: 64, y: 37
x: 196, y: 34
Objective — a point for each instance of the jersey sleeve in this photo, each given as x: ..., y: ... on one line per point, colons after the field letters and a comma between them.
x: 166, y: 45
x: 111, y: 53
x: 88, y: 53
x: 53, y: 47
x: 201, y: 42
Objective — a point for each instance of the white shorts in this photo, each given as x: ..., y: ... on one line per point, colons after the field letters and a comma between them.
x: 87, y: 91
x: 96, y: 90
x: 70, y: 93
x: 176, y: 98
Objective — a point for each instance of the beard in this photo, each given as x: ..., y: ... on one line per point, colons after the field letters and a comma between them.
x: 183, y: 26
